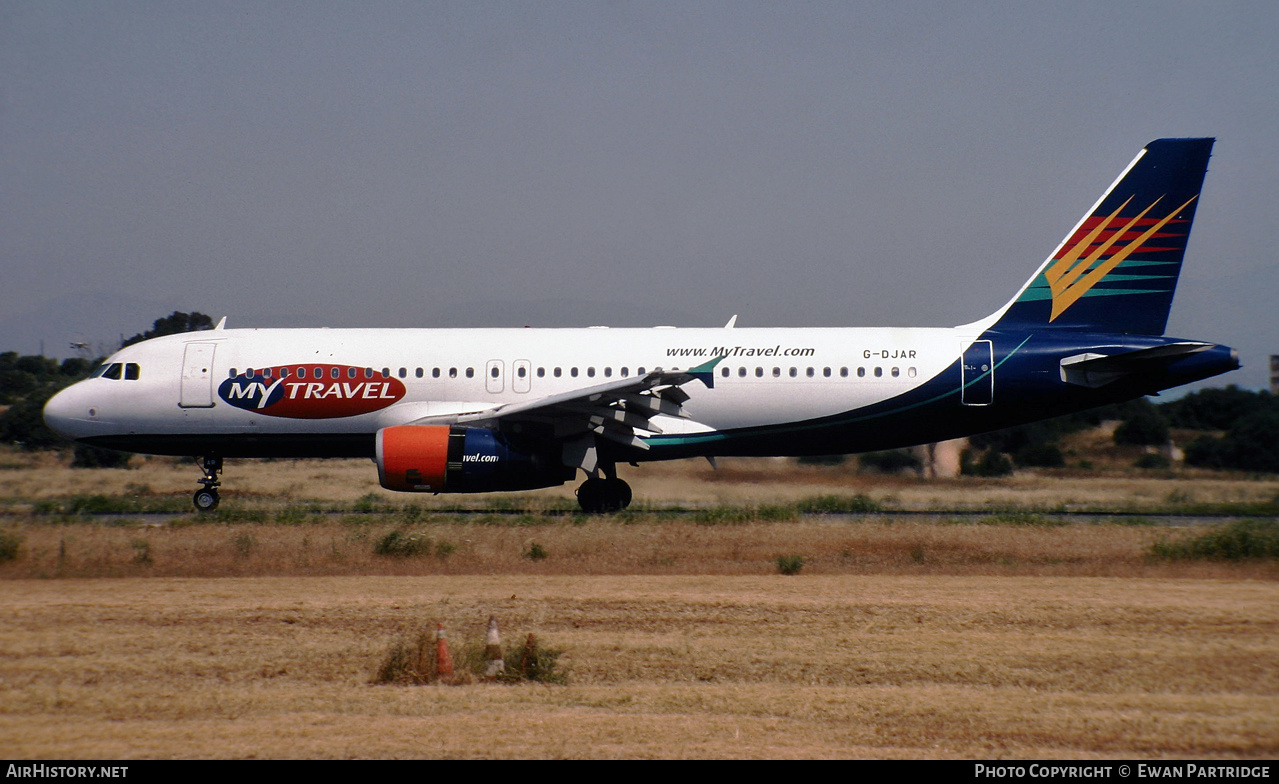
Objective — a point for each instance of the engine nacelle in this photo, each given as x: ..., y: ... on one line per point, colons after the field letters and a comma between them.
x: 455, y: 459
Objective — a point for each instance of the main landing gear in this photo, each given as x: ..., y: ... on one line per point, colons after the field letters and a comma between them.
x: 206, y: 498
x: 604, y: 495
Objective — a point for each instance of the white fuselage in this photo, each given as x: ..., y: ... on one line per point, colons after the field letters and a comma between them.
x: 766, y: 376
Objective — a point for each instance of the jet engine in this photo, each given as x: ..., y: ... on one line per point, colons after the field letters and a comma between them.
x: 456, y: 459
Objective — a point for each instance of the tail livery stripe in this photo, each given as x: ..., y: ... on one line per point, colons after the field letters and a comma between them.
x: 1117, y: 270
x: 1064, y: 279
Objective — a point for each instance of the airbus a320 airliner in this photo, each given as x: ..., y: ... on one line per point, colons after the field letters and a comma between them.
x: 479, y: 410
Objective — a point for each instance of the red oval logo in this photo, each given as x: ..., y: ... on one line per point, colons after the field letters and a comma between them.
x: 311, y: 391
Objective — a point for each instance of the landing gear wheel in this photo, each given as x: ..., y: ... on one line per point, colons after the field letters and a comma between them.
x: 205, y: 499
x: 620, y: 492
x: 603, y: 496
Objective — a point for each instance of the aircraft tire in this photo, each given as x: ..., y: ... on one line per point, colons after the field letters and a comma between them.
x: 205, y: 499
x: 619, y: 492
x: 603, y: 496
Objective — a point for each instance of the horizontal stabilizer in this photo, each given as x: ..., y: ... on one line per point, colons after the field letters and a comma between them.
x: 1096, y: 370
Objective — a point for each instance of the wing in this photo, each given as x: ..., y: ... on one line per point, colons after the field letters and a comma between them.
x: 620, y: 411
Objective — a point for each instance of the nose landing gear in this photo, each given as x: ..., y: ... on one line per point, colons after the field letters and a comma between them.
x: 206, y: 498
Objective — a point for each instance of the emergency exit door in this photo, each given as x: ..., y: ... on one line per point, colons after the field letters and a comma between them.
x: 977, y: 385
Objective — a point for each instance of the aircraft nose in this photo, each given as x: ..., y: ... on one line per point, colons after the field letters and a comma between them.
x: 67, y: 416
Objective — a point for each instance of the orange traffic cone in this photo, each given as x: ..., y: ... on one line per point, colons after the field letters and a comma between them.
x: 493, y: 652
x: 443, y: 661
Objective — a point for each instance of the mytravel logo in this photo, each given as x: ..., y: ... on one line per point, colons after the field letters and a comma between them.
x: 311, y: 391
x: 1103, y: 243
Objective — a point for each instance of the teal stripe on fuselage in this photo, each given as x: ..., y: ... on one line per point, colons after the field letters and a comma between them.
x: 846, y: 418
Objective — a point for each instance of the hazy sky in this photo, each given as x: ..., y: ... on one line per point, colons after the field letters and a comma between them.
x: 547, y: 163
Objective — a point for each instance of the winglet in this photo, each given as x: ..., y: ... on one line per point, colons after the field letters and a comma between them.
x: 705, y: 372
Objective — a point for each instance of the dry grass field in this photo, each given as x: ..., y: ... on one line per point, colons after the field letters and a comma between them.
x: 998, y: 635
x: 683, y: 666
x: 25, y: 478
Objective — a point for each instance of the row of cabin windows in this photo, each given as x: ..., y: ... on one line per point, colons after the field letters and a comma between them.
x: 319, y: 373
x: 336, y: 373
x: 521, y: 371
x: 826, y: 372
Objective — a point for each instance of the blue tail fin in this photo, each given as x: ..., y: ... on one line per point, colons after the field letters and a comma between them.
x: 1117, y: 270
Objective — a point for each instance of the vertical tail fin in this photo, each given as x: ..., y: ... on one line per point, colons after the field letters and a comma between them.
x: 1116, y: 271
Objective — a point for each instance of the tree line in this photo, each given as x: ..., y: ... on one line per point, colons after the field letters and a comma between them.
x: 27, y: 383
x: 1238, y: 430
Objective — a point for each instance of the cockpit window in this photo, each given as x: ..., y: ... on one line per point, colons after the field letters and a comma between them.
x: 118, y: 370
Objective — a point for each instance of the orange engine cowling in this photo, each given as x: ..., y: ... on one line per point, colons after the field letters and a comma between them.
x: 413, y: 458
x: 455, y: 459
